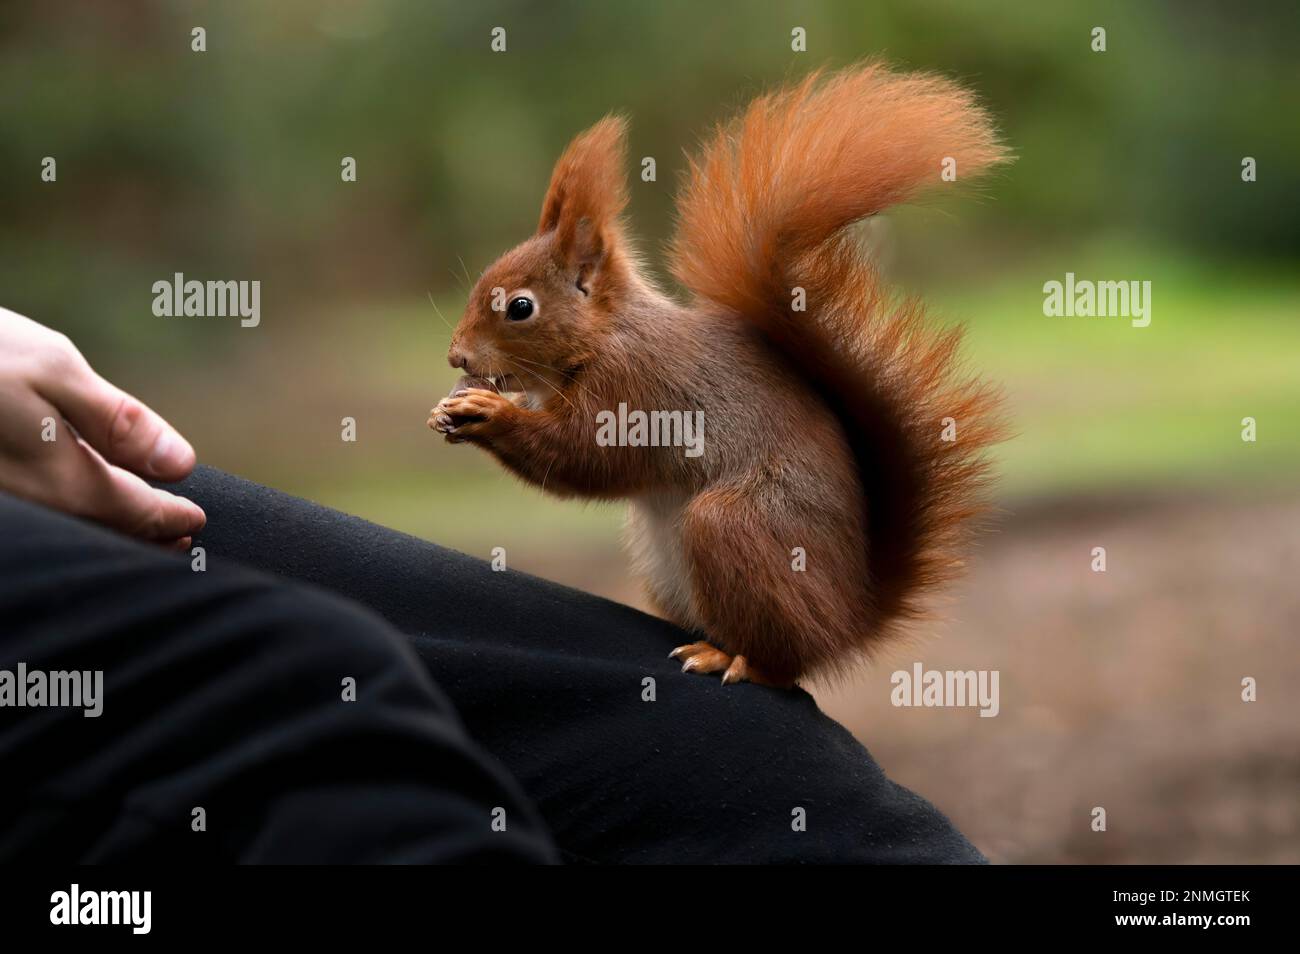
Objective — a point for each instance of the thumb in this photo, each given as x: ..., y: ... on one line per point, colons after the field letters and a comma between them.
x: 125, y: 431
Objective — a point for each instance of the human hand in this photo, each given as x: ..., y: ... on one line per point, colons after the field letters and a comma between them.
x: 94, y: 468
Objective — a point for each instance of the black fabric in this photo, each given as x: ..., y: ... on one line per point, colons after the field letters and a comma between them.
x: 550, y: 681
x: 223, y: 690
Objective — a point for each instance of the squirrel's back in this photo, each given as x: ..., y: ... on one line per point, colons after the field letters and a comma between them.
x: 766, y: 212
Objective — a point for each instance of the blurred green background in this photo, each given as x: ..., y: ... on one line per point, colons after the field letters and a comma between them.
x: 226, y: 165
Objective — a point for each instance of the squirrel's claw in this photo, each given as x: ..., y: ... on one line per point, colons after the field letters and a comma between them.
x: 738, y: 671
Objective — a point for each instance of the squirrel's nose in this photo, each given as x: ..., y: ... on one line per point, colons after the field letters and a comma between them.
x: 456, y: 358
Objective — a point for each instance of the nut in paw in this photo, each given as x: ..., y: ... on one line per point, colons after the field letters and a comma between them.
x: 443, y: 421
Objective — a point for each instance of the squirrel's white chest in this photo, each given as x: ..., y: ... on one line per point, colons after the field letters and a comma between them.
x: 653, y: 536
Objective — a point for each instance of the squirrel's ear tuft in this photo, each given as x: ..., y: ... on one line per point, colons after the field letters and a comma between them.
x: 588, y: 192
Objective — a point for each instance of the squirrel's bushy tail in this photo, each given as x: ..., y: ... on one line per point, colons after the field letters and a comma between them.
x: 767, y: 209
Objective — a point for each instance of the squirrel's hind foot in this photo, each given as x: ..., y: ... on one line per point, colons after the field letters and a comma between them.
x: 706, y: 658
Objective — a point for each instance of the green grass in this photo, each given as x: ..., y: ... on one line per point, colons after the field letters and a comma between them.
x: 473, y: 511
x: 1099, y: 405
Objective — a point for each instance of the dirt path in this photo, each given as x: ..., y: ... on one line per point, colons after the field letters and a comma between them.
x: 1119, y: 689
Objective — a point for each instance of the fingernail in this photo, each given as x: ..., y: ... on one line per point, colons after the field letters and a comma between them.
x: 169, y: 454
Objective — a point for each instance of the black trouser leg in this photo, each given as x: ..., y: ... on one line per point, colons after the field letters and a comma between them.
x: 557, y: 684
x: 225, y: 691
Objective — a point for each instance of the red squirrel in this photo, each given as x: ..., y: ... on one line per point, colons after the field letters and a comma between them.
x: 826, y: 502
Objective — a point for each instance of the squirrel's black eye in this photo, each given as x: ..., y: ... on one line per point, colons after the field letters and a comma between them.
x: 519, y: 309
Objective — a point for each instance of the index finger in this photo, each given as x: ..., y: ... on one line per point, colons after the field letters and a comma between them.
x: 122, y: 428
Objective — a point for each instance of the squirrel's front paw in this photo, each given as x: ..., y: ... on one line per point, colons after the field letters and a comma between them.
x: 475, y: 413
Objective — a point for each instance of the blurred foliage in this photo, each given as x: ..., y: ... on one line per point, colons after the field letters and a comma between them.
x: 225, y: 164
